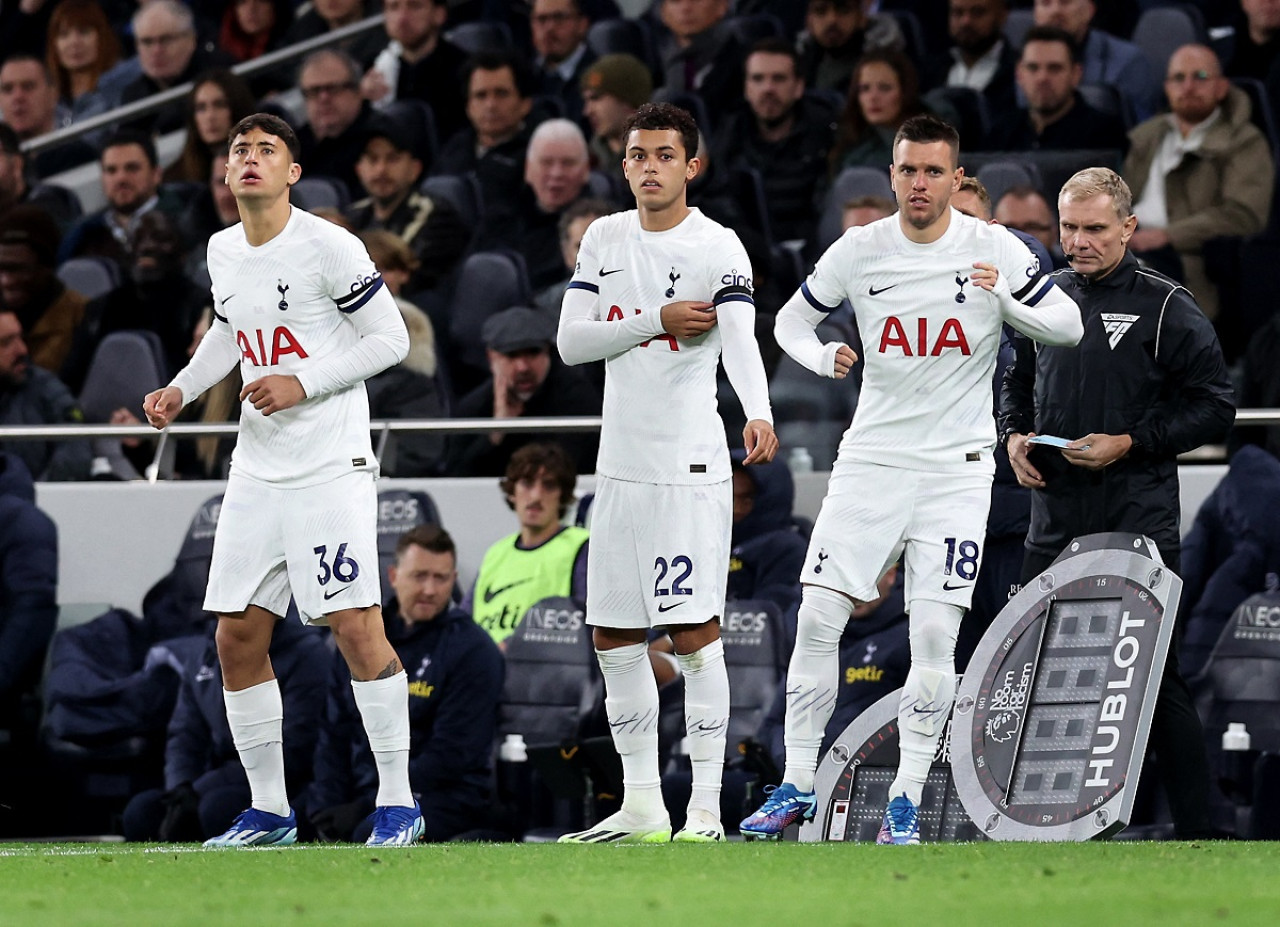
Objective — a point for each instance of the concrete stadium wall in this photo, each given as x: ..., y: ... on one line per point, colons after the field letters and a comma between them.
x: 116, y: 539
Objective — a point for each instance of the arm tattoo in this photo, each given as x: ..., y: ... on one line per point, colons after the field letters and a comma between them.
x: 390, y: 669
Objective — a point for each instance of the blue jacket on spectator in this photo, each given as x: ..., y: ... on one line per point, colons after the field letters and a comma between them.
x: 28, y: 584
x: 767, y: 549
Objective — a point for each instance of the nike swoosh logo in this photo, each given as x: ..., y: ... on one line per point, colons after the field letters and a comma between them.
x: 872, y: 291
x: 223, y: 302
x: 605, y: 273
x: 667, y: 608
x: 951, y: 588
x: 490, y: 594
x: 330, y: 595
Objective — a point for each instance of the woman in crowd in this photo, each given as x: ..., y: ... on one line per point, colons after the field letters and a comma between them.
x: 884, y: 93
x: 218, y: 100
x: 81, y: 50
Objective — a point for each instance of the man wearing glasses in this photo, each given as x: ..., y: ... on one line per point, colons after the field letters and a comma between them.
x: 337, y: 117
x: 558, y: 29
x: 1197, y: 172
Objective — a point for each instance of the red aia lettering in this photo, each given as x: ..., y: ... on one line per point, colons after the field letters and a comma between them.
x: 282, y: 343
x: 615, y: 314
x: 951, y: 336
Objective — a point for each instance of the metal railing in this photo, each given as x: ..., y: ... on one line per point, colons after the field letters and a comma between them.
x: 160, y: 100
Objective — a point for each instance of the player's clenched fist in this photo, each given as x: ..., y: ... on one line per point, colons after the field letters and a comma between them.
x: 688, y: 318
x: 161, y: 405
x: 273, y: 393
x: 845, y: 358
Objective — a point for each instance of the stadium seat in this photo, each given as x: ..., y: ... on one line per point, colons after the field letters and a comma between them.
x: 999, y: 176
x: 480, y: 36
x: 1106, y: 98
x: 488, y: 282
x: 1261, y: 109
x: 755, y: 655
x: 1163, y: 30
x: 461, y: 191
x: 749, y: 28
x: 912, y: 32
x: 623, y: 36
x: 421, y: 119
x: 746, y: 185
x: 1017, y: 25
x: 690, y: 102
x: 399, y: 512
x: 91, y: 277
x: 799, y: 395
x: 972, y: 113
x: 126, y: 366
x: 312, y: 193
x: 821, y: 439
x: 850, y: 183
x: 1054, y: 167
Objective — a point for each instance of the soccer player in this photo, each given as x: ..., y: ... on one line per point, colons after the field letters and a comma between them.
x: 299, y: 305
x: 659, y: 293
x: 930, y: 288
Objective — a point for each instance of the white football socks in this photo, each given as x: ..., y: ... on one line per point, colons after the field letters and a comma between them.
x: 256, y: 718
x: 706, y: 720
x: 631, y: 703
x: 813, y: 680
x: 384, y: 708
x: 927, y: 695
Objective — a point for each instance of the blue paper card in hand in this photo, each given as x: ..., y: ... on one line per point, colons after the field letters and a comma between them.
x: 1054, y: 441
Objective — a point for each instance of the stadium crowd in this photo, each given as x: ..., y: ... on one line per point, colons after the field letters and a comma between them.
x: 470, y: 143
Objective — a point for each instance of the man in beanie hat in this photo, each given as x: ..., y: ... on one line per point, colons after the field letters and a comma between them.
x: 30, y: 289
x: 612, y: 89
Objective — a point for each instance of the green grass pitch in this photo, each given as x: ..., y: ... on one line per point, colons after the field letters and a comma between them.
x: 781, y: 885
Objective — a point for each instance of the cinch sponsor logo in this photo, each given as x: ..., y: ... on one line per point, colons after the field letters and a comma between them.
x: 733, y: 278
x: 1112, y: 709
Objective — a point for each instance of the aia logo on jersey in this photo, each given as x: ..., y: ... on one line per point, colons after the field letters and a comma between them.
x: 282, y: 344
x: 1116, y: 324
x: 926, y: 344
x: 616, y: 315
x: 283, y: 288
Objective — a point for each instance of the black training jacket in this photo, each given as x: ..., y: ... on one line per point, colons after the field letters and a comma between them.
x: 1150, y: 366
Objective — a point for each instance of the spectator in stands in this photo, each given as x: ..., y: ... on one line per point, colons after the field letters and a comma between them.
x: 211, y: 210
x: 1105, y: 58
x: 767, y: 551
x: 784, y: 135
x: 411, y: 388
x: 544, y: 557
x: 205, y: 786
x: 81, y: 54
x: 569, y: 231
x: 837, y: 33
x: 556, y: 169
x: 170, y: 55
x: 155, y: 296
x: 1256, y: 44
x: 700, y: 54
x: 389, y: 170
x: 1056, y: 116
x: 558, y: 29
x: 28, y: 104
x: 884, y: 94
x: 874, y: 658
x: 981, y: 58
x: 528, y: 379
x: 131, y: 183
x: 455, y: 681
x: 251, y: 28
x: 419, y: 63
x: 1201, y: 171
x: 863, y: 210
x: 28, y: 579
x: 499, y: 98
x: 47, y: 310
x: 58, y: 202
x: 1024, y: 208
x: 31, y: 395
x: 613, y: 88
x: 218, y: 100
x: 322, y: 16
x: 337, y: 117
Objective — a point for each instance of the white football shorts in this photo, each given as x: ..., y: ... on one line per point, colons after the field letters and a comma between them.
x: 659, y: 554
x: 872, y: 515
x: 317, y: 543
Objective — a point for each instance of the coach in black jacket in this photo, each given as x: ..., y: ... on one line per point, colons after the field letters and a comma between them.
x: 1146, y: 383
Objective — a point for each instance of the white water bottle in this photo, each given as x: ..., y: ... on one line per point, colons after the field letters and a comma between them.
x: 513, y: 749
x: 800, y: 460
x: 1236, y: 737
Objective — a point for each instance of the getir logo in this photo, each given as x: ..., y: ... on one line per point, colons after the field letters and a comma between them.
x: 282, y: 343
x: 925, y: 343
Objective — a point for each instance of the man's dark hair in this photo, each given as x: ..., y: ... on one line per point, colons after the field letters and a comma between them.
x: 665, y: 116
x: 496, y: 60
x: 1053, y: 34
x: 36, y: 59
x: 528, y: 460
x: 927, y: 129
x: 773, y: 45
x: 593, y: 206
x: 271, y: 125
x: 428, y: 537
x: 121, y: 137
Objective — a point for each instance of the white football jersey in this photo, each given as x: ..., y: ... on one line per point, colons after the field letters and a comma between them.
x: 286, y: 305
x: 929, y: 336
x: 661, y: 423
